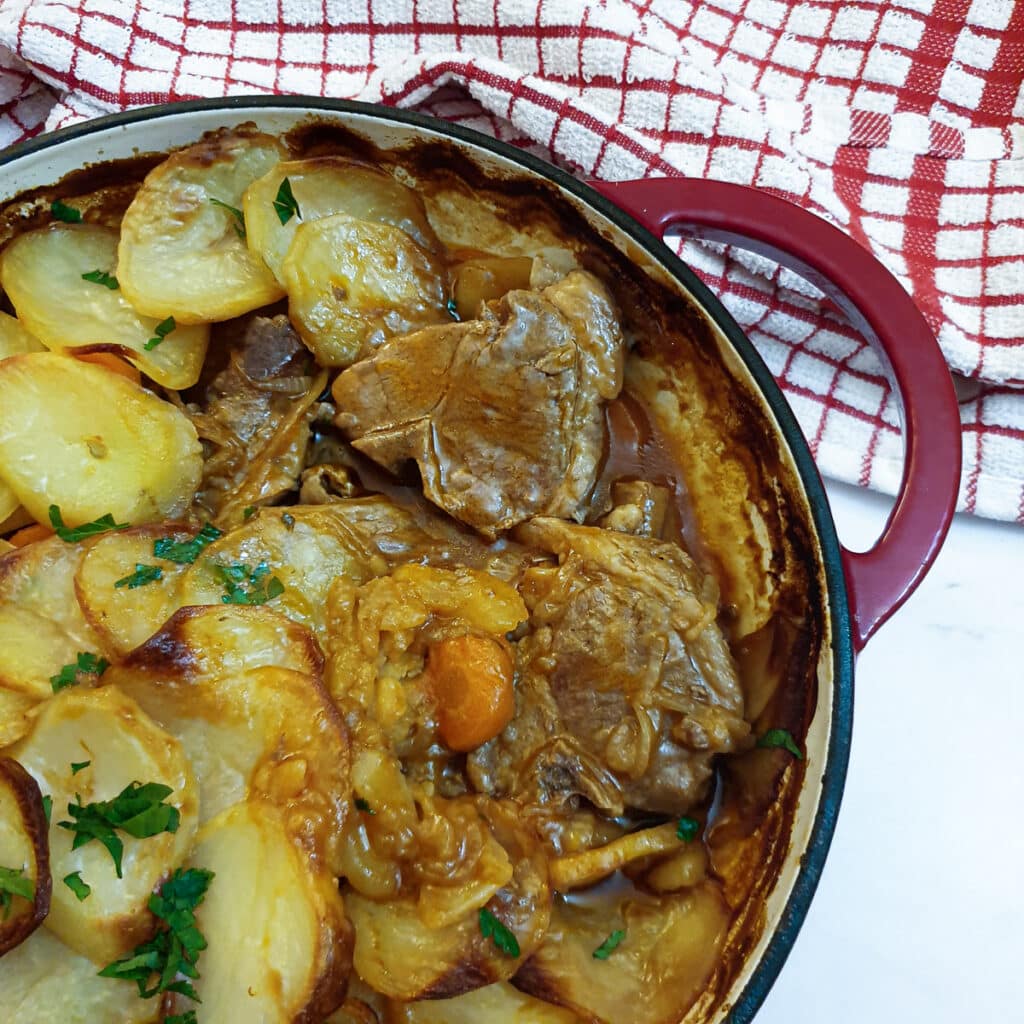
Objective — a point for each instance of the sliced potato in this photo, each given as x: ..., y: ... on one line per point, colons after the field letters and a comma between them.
x: 9, y: 503
x: 354, y: 283
x: 43, y: 981
x: 323, y: 186
x: 493, y: 1004
x: 655, y: 973
x: 40, y: 578
x: 485, y: 278
x: 14, y: 338
x: 279, y: 949
x: 17, y: 713
x: 126, y: 616
x: 41, y: 272
x: 306, y: 551
x: 269, y: 733
x: 92, y: 442
x: 181, y: 254
x: 123, y: 745
x: 24, y: 848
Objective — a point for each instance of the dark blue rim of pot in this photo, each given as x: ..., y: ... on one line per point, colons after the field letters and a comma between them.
x: 841, y: 726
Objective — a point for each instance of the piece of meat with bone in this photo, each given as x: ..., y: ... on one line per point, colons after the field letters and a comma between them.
x: 503, y: 415
x: 626, y: 689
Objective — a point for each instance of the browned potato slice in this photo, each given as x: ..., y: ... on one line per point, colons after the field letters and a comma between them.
x: 41, y: 272
x: 24, y: 848
x: 122, y: 744
x: 483, y: 278
x: 40, y: 578
x: 126, y: 616
x: 181, y: 254
x: 494, y: 1004
x: 653, y: 976
x: 92, y: 442
x: 17, y: 713
x: 353, y: 283
x: 324, y: 186
x: 306, y: 551
x: 15, y: 339
x: 43, y: 981
x: 278, y: 945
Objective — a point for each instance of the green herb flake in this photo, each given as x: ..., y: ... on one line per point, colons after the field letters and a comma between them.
x: 138, y: 810
x: 239, y: 224
x: 77, y: 886
x: 774, y: 738
x: 284, y: 204
x: 248, y: 512
x: 143, y: 574
x: 243, y: 585
x: 86, y: 664
x: 175, y: 949
x: 185, y: 552
x: 289, y: 521
x: 77, y: 766
x: 491, y: 928
x: 14, y: 883
x: 68, y: 214
x: 160, y: 332
x: 363, y: 805
x: 609, y: 945
x: 188, y: 1017
x: 103, y: 278
x: 47, y: 807
x: 73, y: 534
x: 453, y: 309
x: 687, y: 829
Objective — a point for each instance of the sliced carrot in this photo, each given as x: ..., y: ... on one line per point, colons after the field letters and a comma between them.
x: 111, y: 362
x: 470, y: 678
x: 30, y: 534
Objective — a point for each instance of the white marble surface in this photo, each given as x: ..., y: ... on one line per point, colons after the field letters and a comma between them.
x: 919, y: 914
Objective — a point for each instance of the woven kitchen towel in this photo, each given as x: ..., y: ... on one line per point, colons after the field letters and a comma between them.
x: 901, y: 122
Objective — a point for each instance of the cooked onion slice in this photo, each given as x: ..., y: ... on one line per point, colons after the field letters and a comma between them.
x: 323, y: 186
x: 278, y: 945
x: 42, y: 273
x: 122, y: 745
x: 494, y: 1004
x: 23, y: 848
x: 92, y: 442
x: 181, y: 254
x: 353, y: 283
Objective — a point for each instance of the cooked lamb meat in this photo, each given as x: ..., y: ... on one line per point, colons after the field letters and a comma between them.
x: 626, y: 686
x: 503, y: 415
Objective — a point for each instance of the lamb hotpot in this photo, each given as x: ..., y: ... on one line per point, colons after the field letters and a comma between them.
x: 700, y: 418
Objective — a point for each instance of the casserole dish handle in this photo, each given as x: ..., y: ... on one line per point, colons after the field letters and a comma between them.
x: 879, y: 580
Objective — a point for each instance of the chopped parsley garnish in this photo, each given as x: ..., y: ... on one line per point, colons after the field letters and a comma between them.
x: 77, y: 766
x: 453, y: 310
x: 138, y: 810
x: 86, y: 664
x: 188, y: 1017
x: 47, y: 807
x: 68, y: 214
x: 185, y: 552
x: 285, y: 204
x: 249, y: 511
x: 363, y: 805
x: 160, y: 332
x: 14, y: 883
x: 491, y: 928
x: 780, y: 738
x: 239, y: 224
x: 289, y: 521
x: 173, y: 950
x: 103, y: 278
x: 77, y: 886
x: 73, y: 534
x: 607, y: 947
x: 143, y: 574
x: 687, y: 829
x: 243, y: 585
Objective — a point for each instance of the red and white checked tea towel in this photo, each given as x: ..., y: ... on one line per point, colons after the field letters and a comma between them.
x: 902, y: 122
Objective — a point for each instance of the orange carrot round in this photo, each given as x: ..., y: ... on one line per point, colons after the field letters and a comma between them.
x: 470, y: 678
x: 111, y: 362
